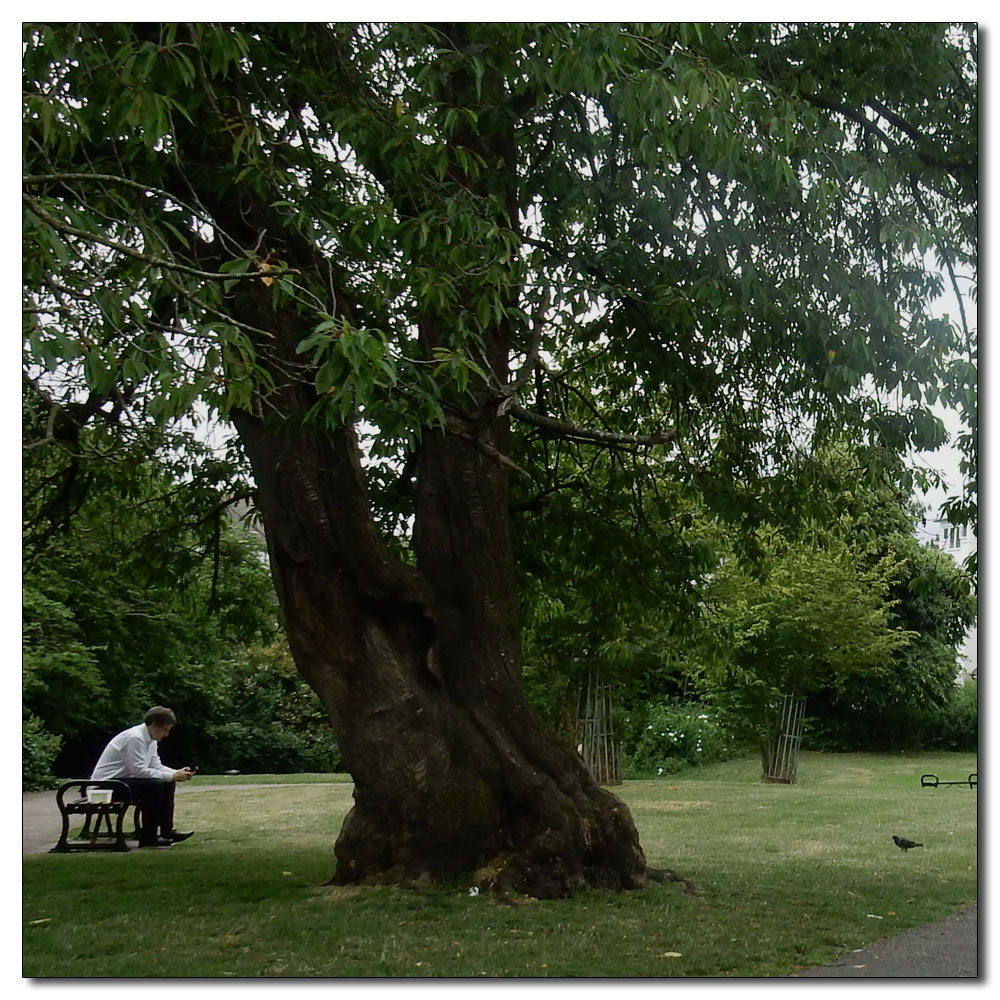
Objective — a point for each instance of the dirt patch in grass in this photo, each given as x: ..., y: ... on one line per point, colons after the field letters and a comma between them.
x: 340, y: 893
x: 676, y: 805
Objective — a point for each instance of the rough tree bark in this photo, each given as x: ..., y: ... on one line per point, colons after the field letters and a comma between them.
x: 419, y: 668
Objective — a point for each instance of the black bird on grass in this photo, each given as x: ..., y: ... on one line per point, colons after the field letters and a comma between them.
x: 904, y: 844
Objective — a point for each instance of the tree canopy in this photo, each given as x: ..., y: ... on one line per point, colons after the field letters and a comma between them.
x: 714, y: 235
x: 427, y: 269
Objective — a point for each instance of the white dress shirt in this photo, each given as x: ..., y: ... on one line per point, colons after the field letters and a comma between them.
x: 131, y: 754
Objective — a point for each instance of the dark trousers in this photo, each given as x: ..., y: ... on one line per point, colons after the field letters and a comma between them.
x: 155, y: 800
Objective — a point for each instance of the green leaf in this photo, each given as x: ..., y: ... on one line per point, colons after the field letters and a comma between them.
x: 98, y: 371
x: 330, y: 374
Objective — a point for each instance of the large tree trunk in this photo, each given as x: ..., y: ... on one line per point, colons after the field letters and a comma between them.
x: 418, y: 666
x: 419, y: 669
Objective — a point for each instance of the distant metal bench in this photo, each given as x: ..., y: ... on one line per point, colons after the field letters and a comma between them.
x: 932, y: 781
x: 102, y: 836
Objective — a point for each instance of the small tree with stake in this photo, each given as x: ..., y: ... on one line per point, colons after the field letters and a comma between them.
x: 818, y: 618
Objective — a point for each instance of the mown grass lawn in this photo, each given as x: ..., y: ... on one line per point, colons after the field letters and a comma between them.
x: 788, y: 876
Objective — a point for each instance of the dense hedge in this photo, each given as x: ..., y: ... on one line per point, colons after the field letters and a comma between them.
x: 247, y: 747
x: 951, y: 723
x: 39, y: 749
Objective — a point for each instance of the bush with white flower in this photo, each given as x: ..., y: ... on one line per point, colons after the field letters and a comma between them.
x: 667, y: 736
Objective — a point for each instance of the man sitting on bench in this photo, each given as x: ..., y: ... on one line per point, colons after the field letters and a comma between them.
x: 132, y: 757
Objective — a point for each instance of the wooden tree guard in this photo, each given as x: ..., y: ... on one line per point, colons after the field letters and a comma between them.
x: 595, y: 731
x: 782, y: 751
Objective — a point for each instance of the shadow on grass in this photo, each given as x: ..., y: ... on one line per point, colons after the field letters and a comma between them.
x: 789, y: 877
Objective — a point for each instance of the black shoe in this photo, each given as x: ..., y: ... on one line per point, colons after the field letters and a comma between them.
x: 159, y: 842
x: 176, y: 836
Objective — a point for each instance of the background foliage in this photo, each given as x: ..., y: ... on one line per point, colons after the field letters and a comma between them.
x: 843, y: 604
x: 141, y: 589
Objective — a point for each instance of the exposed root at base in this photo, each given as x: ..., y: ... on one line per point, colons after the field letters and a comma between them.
x: 666, y: 875
x: 487, y: 881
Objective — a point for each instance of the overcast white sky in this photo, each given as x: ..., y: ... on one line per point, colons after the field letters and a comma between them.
x: 946, y: 459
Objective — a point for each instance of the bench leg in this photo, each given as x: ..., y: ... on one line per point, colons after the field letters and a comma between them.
x: 104, y: 819
x: 120, y: 844
x: 62, y: 845
x: 96, y: 825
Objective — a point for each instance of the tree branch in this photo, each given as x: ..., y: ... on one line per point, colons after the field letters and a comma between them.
x: 128, y: 251
x: 561, y: 428
x: 914, y: 134
x: 460, y: 429
x: 531, y: 357
x: 947, y: 257
x: 62, y: 178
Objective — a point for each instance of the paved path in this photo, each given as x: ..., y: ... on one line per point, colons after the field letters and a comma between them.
x: 947, y: 949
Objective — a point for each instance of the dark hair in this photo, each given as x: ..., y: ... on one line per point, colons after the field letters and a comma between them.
x: 160, y: 716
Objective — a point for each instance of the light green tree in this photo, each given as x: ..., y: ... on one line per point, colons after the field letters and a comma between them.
x: 818, y: 618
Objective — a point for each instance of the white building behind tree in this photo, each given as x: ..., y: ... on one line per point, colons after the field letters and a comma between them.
x: 959, y: 542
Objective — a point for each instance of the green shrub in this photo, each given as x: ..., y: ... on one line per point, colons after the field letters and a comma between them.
x: 958, y: 720
x: 39, y: 748
x: 948, y: 723
x: 270, y: 749
x: 272, y: 722
x: 670, y: 735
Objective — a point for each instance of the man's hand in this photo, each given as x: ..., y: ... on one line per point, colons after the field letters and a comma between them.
x: 184, y: 774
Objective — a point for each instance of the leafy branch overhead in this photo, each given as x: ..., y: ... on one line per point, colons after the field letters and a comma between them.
x: 707, y: 231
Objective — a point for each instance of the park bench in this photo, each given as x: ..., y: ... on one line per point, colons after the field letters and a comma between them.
x: 102, y: 836
x: 932, y: 781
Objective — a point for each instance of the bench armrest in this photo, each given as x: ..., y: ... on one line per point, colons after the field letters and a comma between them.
x: 119, y: 790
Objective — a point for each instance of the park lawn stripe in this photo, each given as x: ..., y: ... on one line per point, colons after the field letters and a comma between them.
x: 788, y: 876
